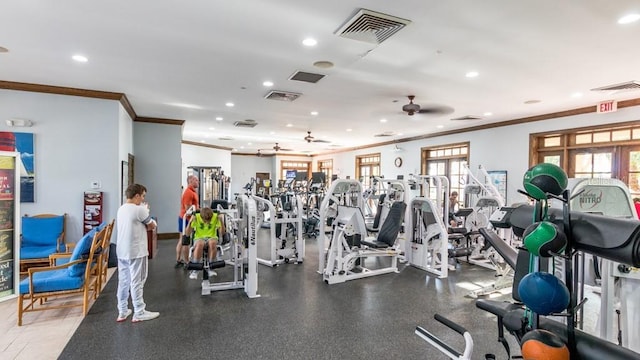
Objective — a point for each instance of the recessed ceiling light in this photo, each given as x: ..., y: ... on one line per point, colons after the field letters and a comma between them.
x: 576, y: 95
x: 309, y: 42
x: 219, y: 118
x: 529, y: 102
x: 488, y: 113
x: 323, y: 64
x: 440, y: 126
x: 314, y: 113
x: 80, y: 58
x: 249, y: 144
x: 400, y: 134
x: 272, y: 133
x: 202, y: 141
x: 234, y: 149
x: 230, y: 104
x: 289, y: 125
x: 383, y: 120
x: 471, y: 74
x: 627, y: 19
x: 349, y: 129
x: 212, y: 128
x: 267, y: 83
x: 241, y: 147
x: 3, y: 50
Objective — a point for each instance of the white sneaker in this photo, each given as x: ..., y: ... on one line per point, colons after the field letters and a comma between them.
x: 146, y: 315
x: 193, y: 275
x: 212, y: 273
x: 123, y: 316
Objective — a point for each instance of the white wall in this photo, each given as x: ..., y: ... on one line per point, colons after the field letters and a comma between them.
x: 75, y: 144
x: 503, y: 148
x: 193, y: 155
x: 244, y: 167
x: 158, y: 167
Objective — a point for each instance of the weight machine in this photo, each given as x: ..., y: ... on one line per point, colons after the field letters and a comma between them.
x: 214, y: 184
x: 242, y: 225
x: 427, y: 248
x: 285, y: 222
x: 345, y: 192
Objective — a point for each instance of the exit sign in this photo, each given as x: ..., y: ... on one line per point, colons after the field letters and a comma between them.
x: 607, y: 106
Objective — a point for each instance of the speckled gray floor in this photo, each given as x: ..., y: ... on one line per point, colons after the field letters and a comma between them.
x: 297, y: 316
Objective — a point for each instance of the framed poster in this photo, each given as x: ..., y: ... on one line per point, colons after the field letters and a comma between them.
x: 22, y: 143
x: 499, y: 180
x: 9, y: 224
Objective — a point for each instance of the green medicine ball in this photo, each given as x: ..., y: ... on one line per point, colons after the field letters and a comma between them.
x: 544, y: 178
x: 543, y: 238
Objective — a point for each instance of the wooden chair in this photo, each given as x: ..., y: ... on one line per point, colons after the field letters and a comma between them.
x: 103, y: 262
x: 42, y: 235
x: 46, y: 287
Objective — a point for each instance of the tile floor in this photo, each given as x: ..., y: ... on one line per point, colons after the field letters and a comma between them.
x: 27, y: 341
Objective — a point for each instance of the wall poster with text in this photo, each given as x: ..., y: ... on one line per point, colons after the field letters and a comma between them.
x: 9, y: 229
x: 23, y: 144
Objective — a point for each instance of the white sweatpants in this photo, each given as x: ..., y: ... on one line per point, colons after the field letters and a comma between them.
x: 132, y: 275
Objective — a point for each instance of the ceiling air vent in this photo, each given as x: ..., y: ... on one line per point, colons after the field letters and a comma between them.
x: 468, y: 117
x: 385, y: 134
x: 306, y: 77
x: 282, y: 95
x: 370, y: 26
x: 245, y: 123
x: 629, y: 85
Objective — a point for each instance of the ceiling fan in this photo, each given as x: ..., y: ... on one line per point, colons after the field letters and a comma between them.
x: 279, y: 148
x: 311, y: 139
x: 275, y: 148
x: 411, y: 108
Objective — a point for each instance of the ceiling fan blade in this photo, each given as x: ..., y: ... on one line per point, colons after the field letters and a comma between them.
x: 320, y: 141
x: 436, y: 110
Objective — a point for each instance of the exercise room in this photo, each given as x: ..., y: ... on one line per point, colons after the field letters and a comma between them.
x: 340, y: 180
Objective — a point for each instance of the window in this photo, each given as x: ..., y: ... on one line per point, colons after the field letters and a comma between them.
x: 298, y: 166
x: 447, y: 160
x: 326, y: 166
x: 598, y: 152
x: 366, y: 167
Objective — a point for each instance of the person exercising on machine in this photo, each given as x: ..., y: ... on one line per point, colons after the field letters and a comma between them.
x: 205, y: 225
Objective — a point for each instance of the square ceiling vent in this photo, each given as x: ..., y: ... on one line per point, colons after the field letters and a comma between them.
x: 371, y: 26
x: 282, y: 95
x: 306, y: 77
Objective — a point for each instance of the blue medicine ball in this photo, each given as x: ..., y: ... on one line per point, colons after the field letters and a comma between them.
x: 543, y: 293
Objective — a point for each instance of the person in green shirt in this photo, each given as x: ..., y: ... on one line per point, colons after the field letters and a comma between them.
x: 205, y: 226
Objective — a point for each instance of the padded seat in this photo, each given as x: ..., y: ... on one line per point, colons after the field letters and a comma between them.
x: 42, y: 235
x: 390, y: 228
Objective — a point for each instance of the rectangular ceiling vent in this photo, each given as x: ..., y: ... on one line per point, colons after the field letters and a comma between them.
x: 468, y: 117
x: 306, y: 77
x: 245, y: 123
x: 629, y: 85
x: 282, y: 95
x: 371, y: 26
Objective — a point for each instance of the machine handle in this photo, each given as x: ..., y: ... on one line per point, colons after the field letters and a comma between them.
x: 450, y: 324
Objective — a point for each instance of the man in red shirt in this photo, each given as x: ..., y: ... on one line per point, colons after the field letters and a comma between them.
x: 189, y: 198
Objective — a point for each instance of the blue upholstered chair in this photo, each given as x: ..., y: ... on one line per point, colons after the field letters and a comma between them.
x: 44, y: 286
x: 42, y: 235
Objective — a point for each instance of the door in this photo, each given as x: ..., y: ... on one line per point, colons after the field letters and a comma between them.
x: 263, y: 187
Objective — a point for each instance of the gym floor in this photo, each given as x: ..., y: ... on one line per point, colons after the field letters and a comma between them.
x: 298, y: 316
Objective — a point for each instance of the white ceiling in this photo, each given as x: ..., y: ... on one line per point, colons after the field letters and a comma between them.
x: 206, y: 53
